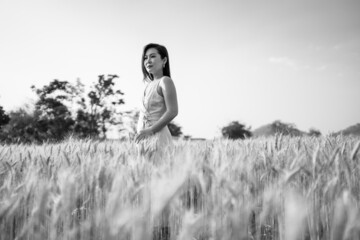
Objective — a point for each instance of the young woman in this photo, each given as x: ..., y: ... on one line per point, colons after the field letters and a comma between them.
x: 159, y: 103
x: 159, y: 106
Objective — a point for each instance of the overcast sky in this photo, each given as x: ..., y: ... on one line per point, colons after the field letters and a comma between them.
x: 297, y: 61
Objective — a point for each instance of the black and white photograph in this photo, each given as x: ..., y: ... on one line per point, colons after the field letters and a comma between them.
x: 179, y: 119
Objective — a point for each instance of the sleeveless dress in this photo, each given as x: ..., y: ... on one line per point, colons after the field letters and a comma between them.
x: 152, y: 108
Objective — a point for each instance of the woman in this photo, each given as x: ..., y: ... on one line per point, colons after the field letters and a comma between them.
x: 159, y: 103
x: 159, y: 106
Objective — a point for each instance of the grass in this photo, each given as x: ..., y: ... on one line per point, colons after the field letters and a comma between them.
x: 266, y: 188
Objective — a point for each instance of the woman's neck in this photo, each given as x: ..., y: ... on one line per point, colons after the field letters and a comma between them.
x: 157, y: 75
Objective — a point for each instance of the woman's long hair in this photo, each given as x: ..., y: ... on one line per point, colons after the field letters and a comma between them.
x: 163, y: 53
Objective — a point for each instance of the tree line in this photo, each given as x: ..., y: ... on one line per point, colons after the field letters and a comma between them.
x: 63, y: 109
x: 235, y: 130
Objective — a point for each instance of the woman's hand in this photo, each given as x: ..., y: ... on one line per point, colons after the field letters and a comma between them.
x: 143, y: 134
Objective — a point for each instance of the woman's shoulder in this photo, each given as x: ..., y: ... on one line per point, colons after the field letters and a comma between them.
x: 166, y: 80
x: 166, y: 83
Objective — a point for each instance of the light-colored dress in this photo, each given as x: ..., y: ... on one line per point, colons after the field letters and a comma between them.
x: 152, y: 108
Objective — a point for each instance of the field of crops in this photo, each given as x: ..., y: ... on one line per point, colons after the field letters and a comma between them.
x: 274, y: 188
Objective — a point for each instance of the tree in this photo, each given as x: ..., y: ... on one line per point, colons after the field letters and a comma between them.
x: 236, y: 130
x: 4, y: 118
x: 285, y: 128
x: 22, y: 127
x: 103, y: 105
x: 84, y: 127
x: 62, y: 110
x: 174, y: 129
x: 90, y: 117
x: 54, y: 119
x: 314, y: 132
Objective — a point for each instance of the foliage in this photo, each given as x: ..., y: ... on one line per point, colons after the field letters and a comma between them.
x: 236, y: 130
x: 51, y: 119
x: 62, y: 110
x: 276, y: 128
x: 4, y: 118
x: 353, y: 130
x: 285, y: 128
x: 187, y: 137
x: 104, y: 101
x: 174, y: 129
x: 23, y: 127
x: 85, y: 125
x: 314, y: 132
x: 55, y: 118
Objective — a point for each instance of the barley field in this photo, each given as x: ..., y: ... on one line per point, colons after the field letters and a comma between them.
x: 266, y: 189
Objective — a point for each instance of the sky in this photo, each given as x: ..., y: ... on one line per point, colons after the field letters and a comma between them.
x: 255, y: 62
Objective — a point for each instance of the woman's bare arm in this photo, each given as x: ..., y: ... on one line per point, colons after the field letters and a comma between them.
x: 169, y: 93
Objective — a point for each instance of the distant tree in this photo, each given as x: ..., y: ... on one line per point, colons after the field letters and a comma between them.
x: 174, y: 129
x: 236, y: 130
x: 187, y: 137
x: 22, y: 128
x: 55, y: 120
x: 277, y: 127
x: 314, y: 132
x: 62, y: 110
x: 285, y: 128
x: 4, y: 118
x: 66, y: 110
x: 353, y: 130
x: 85, y: 125
x: 104, y: 102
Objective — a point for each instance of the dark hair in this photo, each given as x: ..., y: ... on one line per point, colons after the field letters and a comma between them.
x: 163, y: 53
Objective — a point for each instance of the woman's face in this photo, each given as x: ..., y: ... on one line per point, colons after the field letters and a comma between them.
x: 153, y: 62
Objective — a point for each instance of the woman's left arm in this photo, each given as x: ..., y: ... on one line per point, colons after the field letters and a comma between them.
x: 169, y: 93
